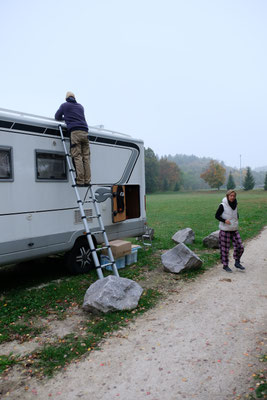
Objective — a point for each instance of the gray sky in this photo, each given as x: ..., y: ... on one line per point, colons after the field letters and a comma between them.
x: 186, y: 76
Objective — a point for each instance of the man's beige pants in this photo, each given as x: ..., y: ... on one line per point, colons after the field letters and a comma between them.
x: 80, y: 152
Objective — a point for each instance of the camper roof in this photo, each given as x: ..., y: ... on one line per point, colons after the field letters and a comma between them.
x: 16, y: 120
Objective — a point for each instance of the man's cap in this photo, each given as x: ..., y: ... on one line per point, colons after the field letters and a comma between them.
x: 70, y: 94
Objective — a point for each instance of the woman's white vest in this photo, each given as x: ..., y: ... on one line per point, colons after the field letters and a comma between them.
x: 229, y: 214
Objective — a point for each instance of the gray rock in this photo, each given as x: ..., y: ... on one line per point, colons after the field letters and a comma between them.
x: 179, y: 258
x: 112, y: 294
x: 186, y: 235
x: 212, y: 241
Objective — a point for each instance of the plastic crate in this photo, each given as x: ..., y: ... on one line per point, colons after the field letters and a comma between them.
x: 120, y: 262
x: 105, y: 260
x: 132, y: 258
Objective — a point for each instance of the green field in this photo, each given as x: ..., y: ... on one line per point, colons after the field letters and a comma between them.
x: 167, y: 213
x: 21, y: 308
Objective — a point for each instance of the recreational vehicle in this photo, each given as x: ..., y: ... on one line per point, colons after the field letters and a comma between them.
x: 39, y: 215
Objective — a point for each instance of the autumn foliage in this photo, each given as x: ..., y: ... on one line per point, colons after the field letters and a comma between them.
x: 169, y: 174
x: 214, y: 175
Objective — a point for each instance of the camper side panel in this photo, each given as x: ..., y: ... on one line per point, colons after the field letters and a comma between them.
x: 38, y: 207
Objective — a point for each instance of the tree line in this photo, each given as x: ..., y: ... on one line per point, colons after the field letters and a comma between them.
x: 215, y: 176
x: 170, y: 173
x: 161, y: 174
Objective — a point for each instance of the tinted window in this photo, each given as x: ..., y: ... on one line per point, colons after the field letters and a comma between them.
x: 5, y: 163
x: 51, y: 166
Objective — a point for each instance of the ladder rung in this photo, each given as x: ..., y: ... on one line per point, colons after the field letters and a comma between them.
x: 105, y: 265
x: 95, y: 232
x: 102, y: 248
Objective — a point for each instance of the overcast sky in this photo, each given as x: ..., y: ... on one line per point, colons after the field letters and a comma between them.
x: 186, y: 76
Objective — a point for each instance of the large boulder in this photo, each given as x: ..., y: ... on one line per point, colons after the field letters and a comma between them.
x: 180, y: 258
x: 212, y: 241
x: 185, y: 235
x: 112, y: 294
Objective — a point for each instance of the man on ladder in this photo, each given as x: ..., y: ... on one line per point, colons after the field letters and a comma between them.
x: 73, y: 114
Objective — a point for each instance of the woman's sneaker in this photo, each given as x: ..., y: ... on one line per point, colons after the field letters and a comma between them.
x: 239, y: 266
x: 227, y: 269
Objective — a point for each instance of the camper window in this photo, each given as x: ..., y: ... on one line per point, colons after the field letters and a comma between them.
x: 50, y: 166
x: 6, y: 164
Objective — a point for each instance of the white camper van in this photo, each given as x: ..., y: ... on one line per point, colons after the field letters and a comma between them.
x: 39, y: 215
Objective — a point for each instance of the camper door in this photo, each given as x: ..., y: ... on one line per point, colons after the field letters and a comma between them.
x: 118, y: 203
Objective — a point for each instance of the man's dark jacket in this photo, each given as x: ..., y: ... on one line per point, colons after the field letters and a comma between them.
x: 73, y: 114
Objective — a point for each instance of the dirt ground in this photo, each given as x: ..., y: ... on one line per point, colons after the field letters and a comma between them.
x: 202, y: 342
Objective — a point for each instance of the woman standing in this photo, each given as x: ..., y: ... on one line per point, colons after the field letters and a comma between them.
x: 228, y: 216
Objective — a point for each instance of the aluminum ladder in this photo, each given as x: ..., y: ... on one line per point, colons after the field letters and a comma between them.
x: 97, y: 215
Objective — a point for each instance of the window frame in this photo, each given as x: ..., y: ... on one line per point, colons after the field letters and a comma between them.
x: 10, y: 150
x: 41, y: 151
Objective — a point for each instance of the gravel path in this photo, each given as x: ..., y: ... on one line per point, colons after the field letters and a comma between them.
x: 203, y: 342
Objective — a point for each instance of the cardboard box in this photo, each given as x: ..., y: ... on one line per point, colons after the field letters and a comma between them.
x: 119, y: 248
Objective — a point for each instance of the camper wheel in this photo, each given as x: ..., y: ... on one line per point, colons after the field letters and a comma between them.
x: 79, y: 259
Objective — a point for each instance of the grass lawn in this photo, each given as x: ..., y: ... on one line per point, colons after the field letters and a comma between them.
x: 167, y: 213
x: 61, y: 294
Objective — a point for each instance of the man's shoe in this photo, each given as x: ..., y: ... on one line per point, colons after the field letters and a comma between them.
x: 239, y: 266
x: 227, y: 269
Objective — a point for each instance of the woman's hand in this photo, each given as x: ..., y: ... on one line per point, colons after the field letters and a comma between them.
x: 227, y: 222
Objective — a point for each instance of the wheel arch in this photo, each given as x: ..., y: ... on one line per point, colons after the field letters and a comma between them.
x: 79, y: 258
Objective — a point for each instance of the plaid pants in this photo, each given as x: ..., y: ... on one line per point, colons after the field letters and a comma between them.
x: 225, y: 238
